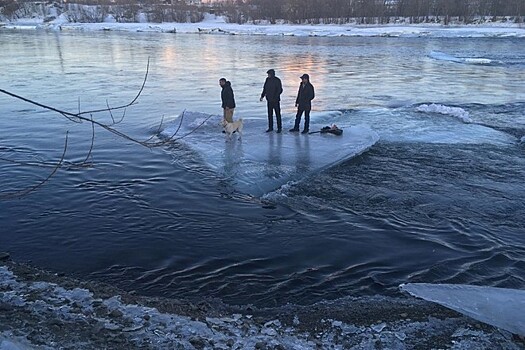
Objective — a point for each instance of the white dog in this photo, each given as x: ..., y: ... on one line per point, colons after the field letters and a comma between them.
x: 230, y: 128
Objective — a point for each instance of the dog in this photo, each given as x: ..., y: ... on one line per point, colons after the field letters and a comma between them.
x: 230, y: 128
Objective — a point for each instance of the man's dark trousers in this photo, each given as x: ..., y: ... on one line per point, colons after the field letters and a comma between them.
x: 274, y: 106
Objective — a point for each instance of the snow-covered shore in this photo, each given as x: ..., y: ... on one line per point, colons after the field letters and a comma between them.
x: 218, y: 25
x: 41, y: 310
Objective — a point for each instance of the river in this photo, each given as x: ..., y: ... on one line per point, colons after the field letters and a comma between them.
x: 438, y: 199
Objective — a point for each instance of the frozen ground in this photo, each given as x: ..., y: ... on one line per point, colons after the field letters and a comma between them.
x: 41, y: 310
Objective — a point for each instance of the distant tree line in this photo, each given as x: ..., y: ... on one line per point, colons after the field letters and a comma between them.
x: 379, y: 11
x: 303, y: 11
x: 97, y: 10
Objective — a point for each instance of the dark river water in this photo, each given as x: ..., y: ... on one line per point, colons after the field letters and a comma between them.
x: 439, y: 198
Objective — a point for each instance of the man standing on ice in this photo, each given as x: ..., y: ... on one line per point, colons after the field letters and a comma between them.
x: 228, y: 100
x: 272, y: 90
x: 305, y: 95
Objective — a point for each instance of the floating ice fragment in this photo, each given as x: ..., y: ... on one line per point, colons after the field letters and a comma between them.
x: 214, y: 321
x: 269, y: 332
x: 457, y: 112
x: 400, y: 335
x: 275, y: 323
x: 441, y: 56
x: 111, y: 326
x: 337, y: 324
x: 113, y: 302
x: 482, y: 61
x: 379, y: 327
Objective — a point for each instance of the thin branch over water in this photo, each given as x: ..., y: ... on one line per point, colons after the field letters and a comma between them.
x: 87, y: 116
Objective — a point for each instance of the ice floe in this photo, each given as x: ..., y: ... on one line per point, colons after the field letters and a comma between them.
x: 263, y: 162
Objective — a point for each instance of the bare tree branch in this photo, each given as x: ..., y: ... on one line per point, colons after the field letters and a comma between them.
x: 80, y: 117
x: 92, y: 142
x: 124, y: 106
x: 26, y: 191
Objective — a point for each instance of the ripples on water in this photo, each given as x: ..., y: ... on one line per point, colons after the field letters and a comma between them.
x: 434, y: 201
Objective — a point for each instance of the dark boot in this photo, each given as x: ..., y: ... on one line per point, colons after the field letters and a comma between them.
x: 278, y: 117
x: 306, y: 122
x: 297, y: 121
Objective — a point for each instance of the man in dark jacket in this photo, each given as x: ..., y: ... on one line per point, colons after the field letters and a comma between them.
x: 305, y: 95
x: 272, y: 90
x: 228, y: 100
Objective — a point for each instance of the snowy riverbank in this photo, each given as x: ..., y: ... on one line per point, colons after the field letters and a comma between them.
x: 218, y: 25
x: 41, y: 310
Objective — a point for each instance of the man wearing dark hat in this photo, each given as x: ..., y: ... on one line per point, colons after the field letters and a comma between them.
x: 304, y: 103
x: 272, y: 90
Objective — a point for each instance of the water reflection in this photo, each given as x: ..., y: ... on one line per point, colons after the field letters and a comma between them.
x: 302, y: 154
x: 272, y: 167
x: 233, y: 157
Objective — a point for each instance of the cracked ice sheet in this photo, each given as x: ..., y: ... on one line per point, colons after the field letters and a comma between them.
x: 263, y: 162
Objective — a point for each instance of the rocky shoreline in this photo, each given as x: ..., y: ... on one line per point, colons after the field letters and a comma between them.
x: 44, y: 310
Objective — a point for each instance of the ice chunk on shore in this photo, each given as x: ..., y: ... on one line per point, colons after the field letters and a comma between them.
x: 500, y: 307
